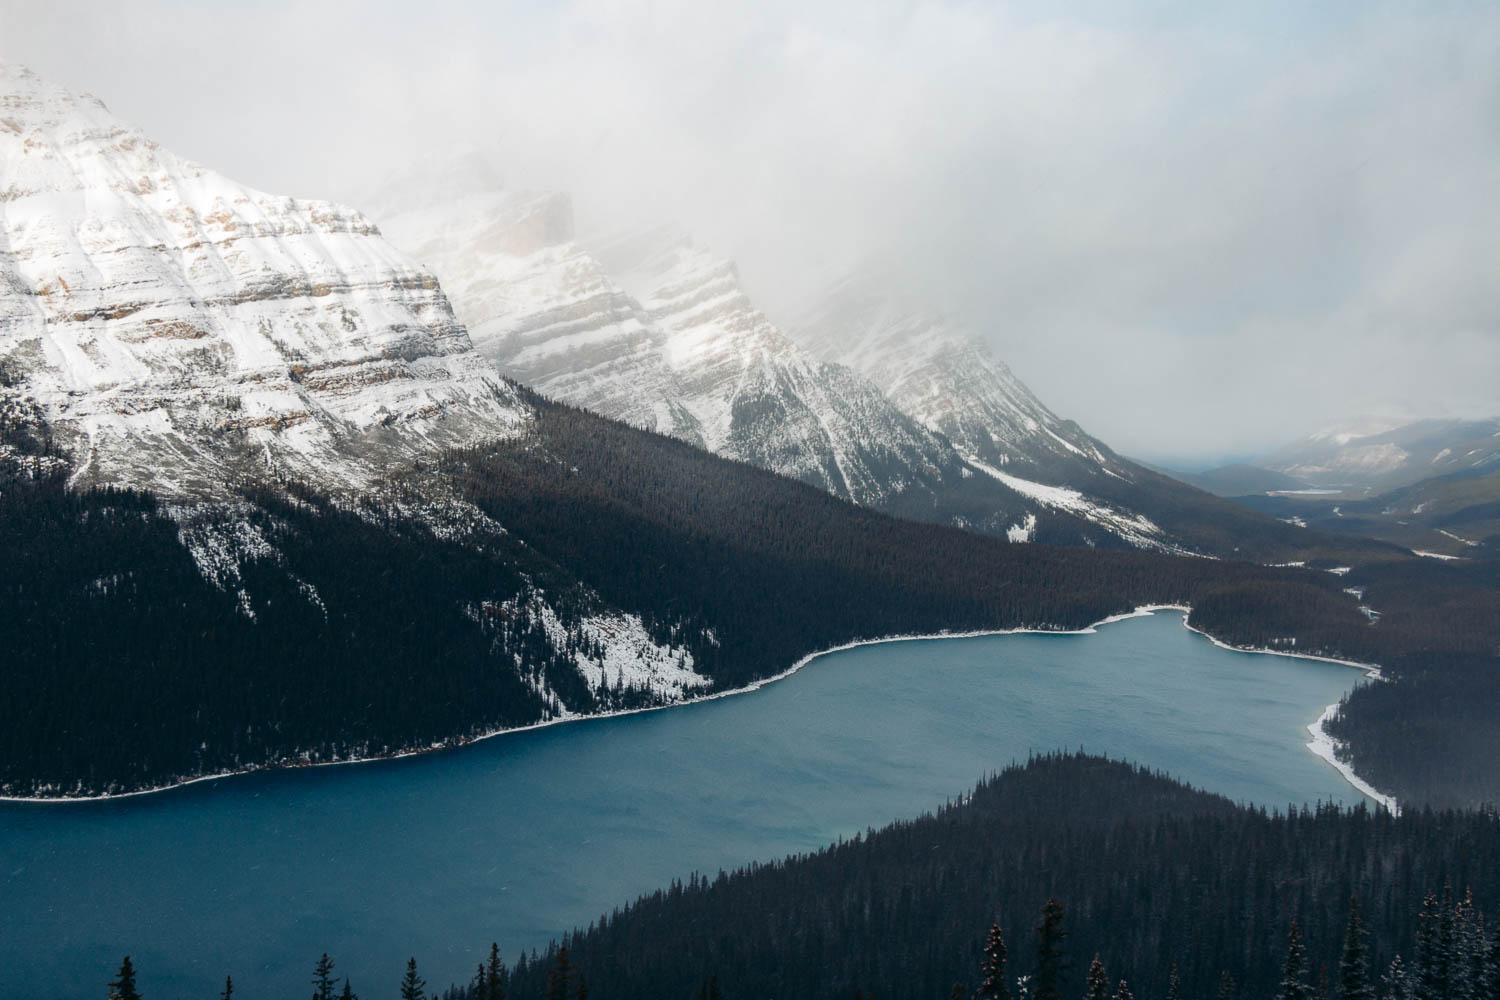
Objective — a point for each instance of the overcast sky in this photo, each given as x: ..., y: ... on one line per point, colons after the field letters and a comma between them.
x: 1198, y: 232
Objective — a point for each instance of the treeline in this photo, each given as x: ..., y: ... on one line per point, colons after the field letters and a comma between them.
x: 1169, y: 893
x: 778, y: 569
x: 1156, y: 877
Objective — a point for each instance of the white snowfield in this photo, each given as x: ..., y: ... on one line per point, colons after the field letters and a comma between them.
x: 1137, y: 529
x: 183, y: 331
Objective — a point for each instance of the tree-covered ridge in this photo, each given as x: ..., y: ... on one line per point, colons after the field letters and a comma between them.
x: 358, y: 629
x: 1154, y: 875
x: 1070, y: 876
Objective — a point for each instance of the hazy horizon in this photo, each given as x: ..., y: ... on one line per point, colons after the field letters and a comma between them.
x: 1200, y: 234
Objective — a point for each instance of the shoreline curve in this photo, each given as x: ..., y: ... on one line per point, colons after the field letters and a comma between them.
x: 1322, y: 745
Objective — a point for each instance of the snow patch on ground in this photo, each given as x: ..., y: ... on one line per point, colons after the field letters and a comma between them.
x: 1137, y: 529
x: 1459, y: 538
x: 1022, y: 532
x: 615, y: 651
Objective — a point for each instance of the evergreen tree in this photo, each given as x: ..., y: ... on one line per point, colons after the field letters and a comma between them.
x: 123, y: 988
x: 1431, y: 979
x: 412, y: 986
x: 494, y: 975
x: 1047, y: 980
x: 348, y: 993
x: 1228, y: 988
x: 1494, y: 969
x: 322, y: 979
x: 228, y: 993
x: 1354, y: 966
x: 1294, y: 984
x: 559, y: 976
x: 992, y: 984
x: 1098, y: 981
x: 1122, y: 992
x: 583, y: 987
x: 1395, y: 984
x: 1174, y: 983
x: 1470, y: 974
x: 1447, y: 953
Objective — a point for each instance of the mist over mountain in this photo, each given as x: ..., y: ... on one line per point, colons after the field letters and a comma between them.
x: 1258, y: 217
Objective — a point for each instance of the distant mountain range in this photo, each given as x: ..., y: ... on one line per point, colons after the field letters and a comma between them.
x: 1362, y: 458
x: 1373, y: 458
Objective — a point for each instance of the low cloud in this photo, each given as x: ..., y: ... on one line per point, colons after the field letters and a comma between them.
x: 1198, y: 233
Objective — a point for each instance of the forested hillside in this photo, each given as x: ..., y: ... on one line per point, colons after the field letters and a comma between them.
x: 1151, y: 875
x: 1069, y: 876
x: 328, y: 629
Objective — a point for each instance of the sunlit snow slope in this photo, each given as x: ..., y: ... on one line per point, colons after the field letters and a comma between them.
x: 181, y: 331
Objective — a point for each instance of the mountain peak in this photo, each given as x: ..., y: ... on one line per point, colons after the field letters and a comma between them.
x: 180, y: 330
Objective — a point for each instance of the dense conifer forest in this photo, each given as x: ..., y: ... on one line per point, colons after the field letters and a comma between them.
x: 1069, y: 876
x: 357, y: 630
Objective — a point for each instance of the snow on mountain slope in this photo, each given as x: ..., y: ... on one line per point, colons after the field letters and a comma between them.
x: 183, y: 332
x: 652, y: 330
x: 755, y: 394
x: 941, y: 372
x: 536, y: 304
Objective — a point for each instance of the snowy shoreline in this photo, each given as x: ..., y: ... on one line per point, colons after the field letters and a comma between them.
x: 1322, y: 745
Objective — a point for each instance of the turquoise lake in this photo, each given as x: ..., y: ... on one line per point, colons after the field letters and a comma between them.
x: 517, y: 838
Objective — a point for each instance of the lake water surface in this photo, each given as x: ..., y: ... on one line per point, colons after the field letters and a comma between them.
x: 519, y: 837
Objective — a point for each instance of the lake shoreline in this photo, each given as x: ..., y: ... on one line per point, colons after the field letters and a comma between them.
x: 1322, y: 745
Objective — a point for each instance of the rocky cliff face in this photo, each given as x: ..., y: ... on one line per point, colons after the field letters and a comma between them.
x: 180, y: 331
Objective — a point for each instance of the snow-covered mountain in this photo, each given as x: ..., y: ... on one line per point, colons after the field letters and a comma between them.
x: 165, y: 328
x: 652, y: 328
x: 941, y: 372
x: 183, y: 332
x: 755, y: 395
x: 1372, y: 456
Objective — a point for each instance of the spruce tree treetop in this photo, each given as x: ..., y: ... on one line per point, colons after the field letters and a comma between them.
x: 322, y: 979
x: 1354, y: 965
x: 123, y: 988
x: 494, y: 975
x: 558, y: 979
x: 992, y: 985
x: 413, y: 986
x: 1046, y: 983
x: 1098, y: 981
x: 1294, y: 984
